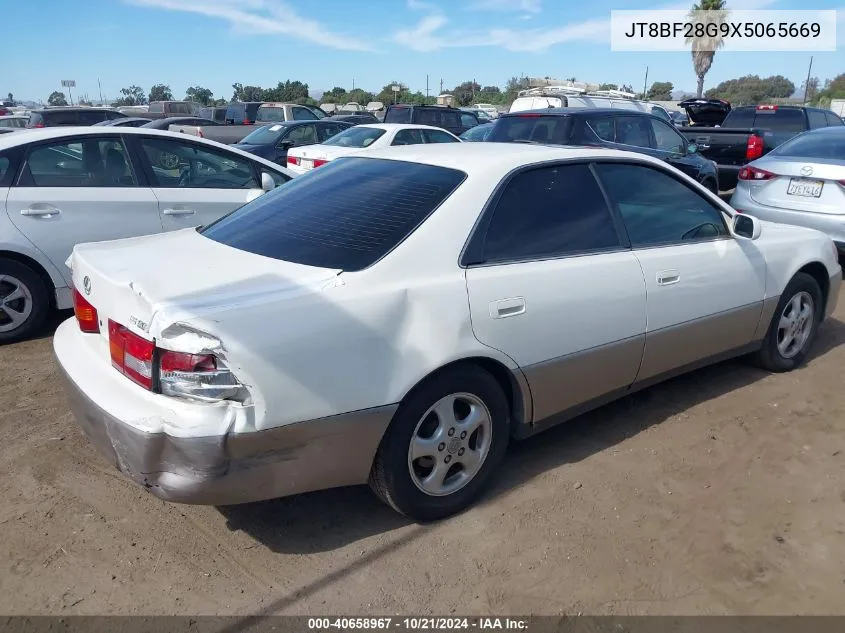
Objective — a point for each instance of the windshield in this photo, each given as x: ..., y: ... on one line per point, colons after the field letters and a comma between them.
x: 828, y: 144
x: 478, y: 133
x: 346, y: 215
x: 270, y: 113
x: 264, y: 135
x: 356, y: 137
x: 531, y: 128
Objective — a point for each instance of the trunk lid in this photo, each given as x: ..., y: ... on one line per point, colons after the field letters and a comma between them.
x: 148, y: 283
x: 706, y: 112
x: 813, y: 186
x: 307, y: 154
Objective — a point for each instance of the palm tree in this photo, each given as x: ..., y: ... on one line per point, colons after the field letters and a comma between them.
x: 704, y: 48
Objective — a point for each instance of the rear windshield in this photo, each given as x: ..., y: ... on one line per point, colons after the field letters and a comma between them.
x: 398, y: 115
x: 347, y: 214
x: 532, y: 128
x: 270, y: 113
x: 182, y: 108
x: 355, y: 137
x: 788, y: 120
x: 813, y: 145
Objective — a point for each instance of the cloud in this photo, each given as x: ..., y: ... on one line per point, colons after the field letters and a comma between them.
x: 524, y: 6
x: 262, y: 17
x: 423, y: 36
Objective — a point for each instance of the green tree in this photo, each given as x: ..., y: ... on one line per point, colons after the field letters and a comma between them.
x: 247, y: 93
x: 386, y: 95
x: 359, y: 95
x: 133, y: 95
x: 199, y: 95
x: 489, y: 94
x: 704, y: 48
x: 751, y: 89
x: 512, y: 88
x: 160, y: 92
x: 289, y: 91
x: 10, y: 98
x: 608, y: 87
x: 660, y: 91
x: 833, y: 88
x: 57, y: 98
x: 465, y: 93
x: 627, y: 88
x: 809, y: 90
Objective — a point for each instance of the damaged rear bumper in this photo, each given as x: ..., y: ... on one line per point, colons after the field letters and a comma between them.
x: 229, y: 468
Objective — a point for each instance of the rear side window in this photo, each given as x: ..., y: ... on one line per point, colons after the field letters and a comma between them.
x: 816, y: 118
x: 156, y: 108
x: 8, y: 166
x: 549, y: 212
x: 347, y: 214
x: 303, y: 114
x: 532, y: 128
x: 271, y: 114
x: 398, y: 115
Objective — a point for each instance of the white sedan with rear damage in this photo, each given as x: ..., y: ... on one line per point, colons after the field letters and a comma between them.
x: 398, y: 317
x: 364, y: 137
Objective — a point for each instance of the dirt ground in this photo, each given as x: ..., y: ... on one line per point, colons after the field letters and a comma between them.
x: 719, y: 492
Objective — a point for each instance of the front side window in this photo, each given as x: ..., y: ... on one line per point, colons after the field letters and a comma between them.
x: 303, y: 114
x: 88, y: 162
x: 438, y: 136
x: 302, y: 135
x: 408, y: 137
x: 468, y: 120
x: 657, y: 209
x: 345, y: 215
x: 667, y: 139
x: 549, y: 212
x: 816, y: 118
x: 833, y: 119
x: 603, y: 128
x: 185, y: 165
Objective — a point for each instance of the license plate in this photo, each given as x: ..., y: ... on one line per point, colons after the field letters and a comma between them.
x: 306, y: 163
x: 805, y: 188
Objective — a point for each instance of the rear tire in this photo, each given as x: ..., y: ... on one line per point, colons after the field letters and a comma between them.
x: 24, y: 301
x: 793, y: 327
x: 455, y: 424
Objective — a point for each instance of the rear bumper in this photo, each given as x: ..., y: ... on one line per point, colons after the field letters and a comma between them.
x: 228, y: 468
x: 832, y: 225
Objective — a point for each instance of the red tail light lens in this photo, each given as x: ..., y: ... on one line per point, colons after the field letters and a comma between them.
x: 199, y: 376
x: 293, y: 160
x: 318, y: 162
x: 754, y: 148
x: 247, y: 122
x: 179, y: 361
x: 131, y: 355
x: 38, y: 125
x: 86, y: 314
x: 767, y: 107
x: 752, y: 173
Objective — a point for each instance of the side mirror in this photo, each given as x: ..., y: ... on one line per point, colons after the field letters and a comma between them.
x: 692, y: 148
x: 267, y: 182
x: 285, y: 145
x: 746, y: 227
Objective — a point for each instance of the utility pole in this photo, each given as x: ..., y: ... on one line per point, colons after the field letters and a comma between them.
x: 426, y: 86
x: 645, y: 83
x: 472, y: 87
x: 101, y: 91
x: 441, y: 85
x: 807, y: 84
x: 353, y: 83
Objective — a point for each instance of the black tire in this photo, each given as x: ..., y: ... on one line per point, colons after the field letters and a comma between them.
x: 769, y: 357
x: 390, y: 477
x: 38, y: 293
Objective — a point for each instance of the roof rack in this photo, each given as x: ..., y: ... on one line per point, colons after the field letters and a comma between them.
x: 618, y: 94
x: 551, y: 90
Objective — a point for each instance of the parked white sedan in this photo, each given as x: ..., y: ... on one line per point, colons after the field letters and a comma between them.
x: 397, y: 317
x: 63, y: 186
x: 364, y: 137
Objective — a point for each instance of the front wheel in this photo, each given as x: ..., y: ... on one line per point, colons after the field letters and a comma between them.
x: 793, y: 327
x: 444, y: 445
x: 24, y: 301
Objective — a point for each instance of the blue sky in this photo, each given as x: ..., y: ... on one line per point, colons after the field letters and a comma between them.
x: 214, y: 43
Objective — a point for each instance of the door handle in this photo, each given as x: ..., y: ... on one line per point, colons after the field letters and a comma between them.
x: 504, y: 308
x: 41, y: 210
x: 178, y: 212
x: 668, y: 277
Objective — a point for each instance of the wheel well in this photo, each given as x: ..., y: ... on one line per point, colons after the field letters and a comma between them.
x: 37, y: 268
x: 504, y: 376
x: 818, y: 271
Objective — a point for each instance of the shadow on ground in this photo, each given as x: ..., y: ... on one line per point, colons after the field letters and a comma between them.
x: 327, y: 520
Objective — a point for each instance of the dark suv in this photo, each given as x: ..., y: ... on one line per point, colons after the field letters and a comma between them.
x: 450, y: 119
x: 611, y: 128
x: 64, y: 116
x: 242, y: 112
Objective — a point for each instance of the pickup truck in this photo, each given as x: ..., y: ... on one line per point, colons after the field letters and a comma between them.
x: 733, y: 137
x: 267, y: 113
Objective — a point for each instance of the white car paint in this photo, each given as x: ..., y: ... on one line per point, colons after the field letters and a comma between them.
x: 301, y: 159
x: 312, y: 343
x: 44, y: 223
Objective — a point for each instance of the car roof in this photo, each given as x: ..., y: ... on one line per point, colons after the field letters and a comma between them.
x: 478, y: 158
x: 570, y: 111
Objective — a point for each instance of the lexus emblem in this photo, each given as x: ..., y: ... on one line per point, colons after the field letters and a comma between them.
x: 806, y: 170
x: 86, y: 285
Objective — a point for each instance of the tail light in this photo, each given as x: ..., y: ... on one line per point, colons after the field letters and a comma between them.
x: 199, y: 376
x: 199, y: 133
x: 86, y: 314
x: 753, y: 173
x: 37, y: 125
x: 767, y: 107
x: 293, y: 160
x: 247, y: 122
x: 319, y: 162
x: 202, y: 376
x: 754, y: 148
x: 131, y: 355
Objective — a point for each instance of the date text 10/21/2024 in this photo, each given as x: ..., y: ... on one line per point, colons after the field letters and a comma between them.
x: 417, y: 624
